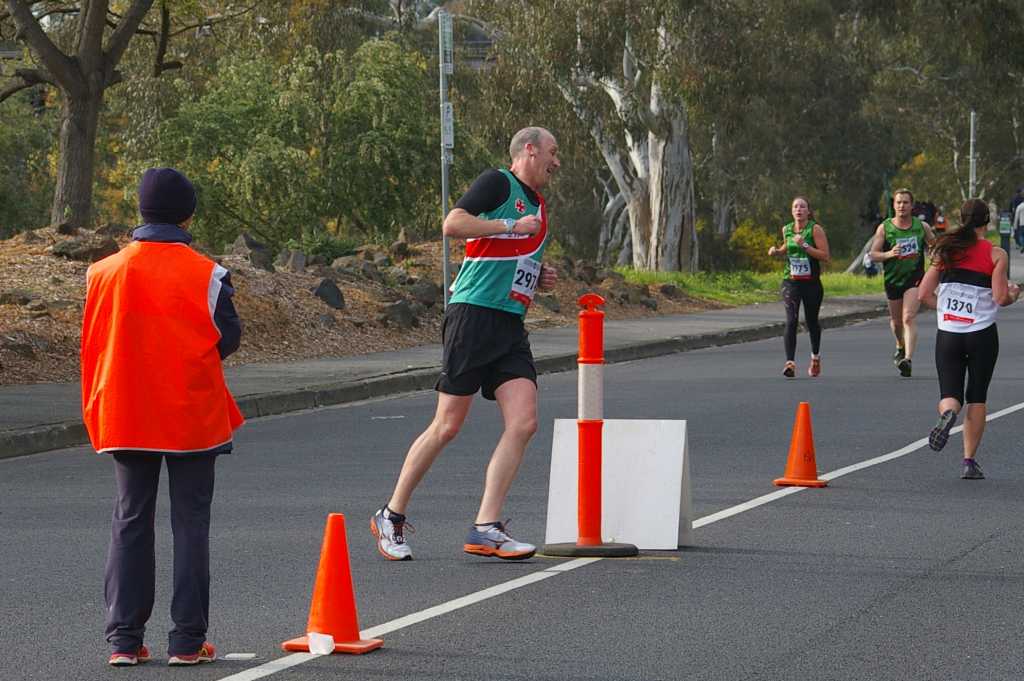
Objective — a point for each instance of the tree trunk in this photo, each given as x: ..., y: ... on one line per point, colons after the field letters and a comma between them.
x: 672, y: 242
x: 856, y: 265
x: 614, y: 231
x: 723, y: 209
x: 638, y: 206
x: 72, y: 200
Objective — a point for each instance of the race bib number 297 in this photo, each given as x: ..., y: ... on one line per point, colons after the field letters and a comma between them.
x: 524, y: 283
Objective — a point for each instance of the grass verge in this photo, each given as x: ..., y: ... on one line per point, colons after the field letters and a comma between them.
x: 743, y: 288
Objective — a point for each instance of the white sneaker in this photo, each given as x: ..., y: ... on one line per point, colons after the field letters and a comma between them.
x: 494, y: 540
x: 390, y: 534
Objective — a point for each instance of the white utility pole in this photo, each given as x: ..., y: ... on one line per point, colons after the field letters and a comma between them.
x: 974, y: 165
x: 445, y: 64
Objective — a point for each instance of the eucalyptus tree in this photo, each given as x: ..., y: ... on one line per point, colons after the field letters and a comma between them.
x: 780, y: 120
x: 617, y: 64
x: 938, y: 61
x: 76, y: 48
x: 736, y: 101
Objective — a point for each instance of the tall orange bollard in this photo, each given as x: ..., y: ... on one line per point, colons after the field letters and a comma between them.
x: 333, y: 609
x: 801, y: 468
x: 589, y: 425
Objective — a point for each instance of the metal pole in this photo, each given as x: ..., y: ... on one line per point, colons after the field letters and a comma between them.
x: 444, y: 56
x: 974, y: 167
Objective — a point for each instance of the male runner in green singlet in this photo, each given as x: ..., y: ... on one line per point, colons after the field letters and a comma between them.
x: 899, y: 243
x: 486, y: 347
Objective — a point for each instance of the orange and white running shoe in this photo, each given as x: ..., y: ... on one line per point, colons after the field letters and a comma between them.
x: 493, y: 539
x: 129, y: 659
x: 206, y: 653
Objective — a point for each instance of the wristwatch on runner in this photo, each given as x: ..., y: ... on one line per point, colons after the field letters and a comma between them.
x: 510, y: 224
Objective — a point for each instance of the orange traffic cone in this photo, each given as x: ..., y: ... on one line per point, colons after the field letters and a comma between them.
x: 333, y: 610
x: 801, y: 469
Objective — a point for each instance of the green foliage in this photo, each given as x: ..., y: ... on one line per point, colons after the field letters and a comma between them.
x: 927, y: 91
x: 745, y: 287
x: 323, y: 244
x: 927, y: 175
x: 303, y: 118
x: 319, y: 143
x: 750, y: 243
x: 385, y: 173
x: 26, y: 184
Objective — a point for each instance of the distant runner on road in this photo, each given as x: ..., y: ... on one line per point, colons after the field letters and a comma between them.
x: 899, y: 244
x: 965, y: 284
x: 486, y: 347
x: 805, y: 247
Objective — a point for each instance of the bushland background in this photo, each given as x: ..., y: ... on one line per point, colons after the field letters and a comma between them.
x: 311, y: 127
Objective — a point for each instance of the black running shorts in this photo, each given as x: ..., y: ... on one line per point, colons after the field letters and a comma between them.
x: 971, y: 356
x: 896, y: 291
x: 483, y: 348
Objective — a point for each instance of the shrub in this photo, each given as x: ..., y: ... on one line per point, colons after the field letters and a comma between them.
x: 323, y: 244
x: 750, y: 243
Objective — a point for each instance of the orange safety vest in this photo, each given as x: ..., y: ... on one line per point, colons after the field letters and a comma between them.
x: 151, y: 373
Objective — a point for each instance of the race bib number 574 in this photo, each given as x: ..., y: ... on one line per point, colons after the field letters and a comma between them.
x: 908, y: 247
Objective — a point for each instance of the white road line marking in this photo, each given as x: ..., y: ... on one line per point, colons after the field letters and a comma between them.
x: 294, y: 659
x: 745, y: 506
x: 415, y: 618
x: 272, y: 667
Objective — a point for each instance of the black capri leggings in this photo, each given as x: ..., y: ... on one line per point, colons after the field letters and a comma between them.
x: 972, y: 355
x: 810, y: 293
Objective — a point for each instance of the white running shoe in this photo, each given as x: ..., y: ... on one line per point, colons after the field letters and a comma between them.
x: 390, y: 534
x: 494, y: 540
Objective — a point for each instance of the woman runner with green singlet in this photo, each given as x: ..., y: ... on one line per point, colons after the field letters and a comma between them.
x: 805, y: 247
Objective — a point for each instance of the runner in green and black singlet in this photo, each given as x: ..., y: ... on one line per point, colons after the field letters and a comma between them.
x: 486, y: 347
x: 904, y: 271
x: 804, y: 246
x: 900, y: 243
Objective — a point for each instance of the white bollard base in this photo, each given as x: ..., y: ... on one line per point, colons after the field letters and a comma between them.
x: 645, y: 484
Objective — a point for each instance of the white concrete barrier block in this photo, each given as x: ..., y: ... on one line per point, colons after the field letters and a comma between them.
x: 645, y: 484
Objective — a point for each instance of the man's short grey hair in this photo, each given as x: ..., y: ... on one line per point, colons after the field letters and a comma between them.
x: 531, y: 135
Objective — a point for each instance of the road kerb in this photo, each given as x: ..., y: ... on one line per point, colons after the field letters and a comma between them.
x: 43, y: 438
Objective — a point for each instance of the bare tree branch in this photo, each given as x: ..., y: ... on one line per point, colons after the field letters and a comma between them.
x: 90, y: 38
x: 12, y: 89
x: 213, y: 21
x: 119, y: 40
x: 162, y: 40
x: 29, y: 78
x: 63, y: 68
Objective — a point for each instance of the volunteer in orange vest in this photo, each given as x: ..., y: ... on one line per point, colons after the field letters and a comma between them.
x: 158, y: 321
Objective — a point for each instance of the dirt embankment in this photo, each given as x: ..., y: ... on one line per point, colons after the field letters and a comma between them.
x: 42, y: 293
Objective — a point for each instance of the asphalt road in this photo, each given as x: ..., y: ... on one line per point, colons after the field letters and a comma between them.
x: 897, y: 571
